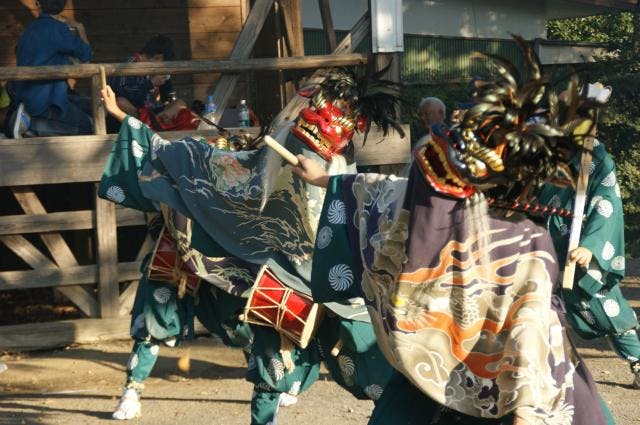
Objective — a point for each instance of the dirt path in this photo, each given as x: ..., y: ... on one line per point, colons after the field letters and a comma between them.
x: 80, y: 386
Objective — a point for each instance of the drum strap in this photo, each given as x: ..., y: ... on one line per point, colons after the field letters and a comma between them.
x: 182, y: 285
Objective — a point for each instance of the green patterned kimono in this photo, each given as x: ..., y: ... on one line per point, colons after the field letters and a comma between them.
x: 159, y: 316
x: 214, y: 208
x: 596, y: 306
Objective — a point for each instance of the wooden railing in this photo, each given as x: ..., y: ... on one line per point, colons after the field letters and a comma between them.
x: 95, y: 288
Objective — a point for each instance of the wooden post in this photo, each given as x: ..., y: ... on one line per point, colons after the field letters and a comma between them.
x: 270, y: 84
x: 242, y: 50
x: 106, y: 227
x: 107, y: 247
x: 327, y: 24
x: 99, y: 119
x: 292, y: 19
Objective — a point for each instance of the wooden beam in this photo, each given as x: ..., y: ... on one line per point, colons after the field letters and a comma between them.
x: 327, y: 24
x: 68, y: 159
x: 75, y: 159
x: 48, y: 335
x: 53, y: 277
x: 107, y: 248
x: 97, y: 107
x: 234, y: 65
x: 63, y: 221
x: 71, y: 159
x: 127, y: 297
x: 242, y: 50
x: 60, y: 278
x: 27, y: 252
x: 291, y: 14
x: 59, y: 250
x: 37, y: 336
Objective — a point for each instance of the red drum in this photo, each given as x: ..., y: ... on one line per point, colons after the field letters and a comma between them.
x: 167, y: 265
x: 273, y: 304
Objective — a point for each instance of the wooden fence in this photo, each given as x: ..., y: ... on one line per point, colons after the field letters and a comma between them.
x: 96, y: 288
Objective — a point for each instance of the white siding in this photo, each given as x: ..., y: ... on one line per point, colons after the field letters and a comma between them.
x: 466, y: 18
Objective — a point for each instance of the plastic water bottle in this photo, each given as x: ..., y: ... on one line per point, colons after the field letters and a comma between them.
x: 243, y: 114
x: 210, y: 107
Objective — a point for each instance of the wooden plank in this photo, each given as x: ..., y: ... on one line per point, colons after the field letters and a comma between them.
x: 181, y: 67
x: 37, y: 336
x: 67, y: 159
x: 97, y: 107
x: 59, y: 250
x: 73, y: 159
x: 291, y: 12
x: 55, y: 243
x: 64, y: 221
x: 379, y: 149
x: 242, y: 50
x: 327, y: 24
x: 107, y: 250
x: 292, y: 19
x: 27, y: 252
x: 53, y: 277
x: 48, y: 335
x: 127, y: 298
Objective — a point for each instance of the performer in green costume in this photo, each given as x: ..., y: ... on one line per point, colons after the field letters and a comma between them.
x: 161, y: 315
x: 461, y: 296
x: 595, y: 305
x: 223, y: 196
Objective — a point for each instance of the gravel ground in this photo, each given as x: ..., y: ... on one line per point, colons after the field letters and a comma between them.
x: 81, y: 385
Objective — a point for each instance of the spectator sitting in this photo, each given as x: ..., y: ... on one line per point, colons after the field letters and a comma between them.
x: 431, y: 110
x: 44, y: 108
x: 139, y: 96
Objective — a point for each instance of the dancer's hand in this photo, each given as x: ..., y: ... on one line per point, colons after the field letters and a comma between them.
x: 581, y: 256
x: 311, y: 172
x: 110, y: 103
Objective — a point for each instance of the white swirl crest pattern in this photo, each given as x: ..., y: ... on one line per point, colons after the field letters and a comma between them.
x: 340, y: 277
x: 337, y: 212
x: 116, y: 194
x: 325, y: 235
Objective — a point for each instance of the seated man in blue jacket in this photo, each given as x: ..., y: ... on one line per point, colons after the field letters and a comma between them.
x: 45, y: 108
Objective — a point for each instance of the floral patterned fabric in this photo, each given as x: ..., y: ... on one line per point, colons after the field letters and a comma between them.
x: 461, y: 303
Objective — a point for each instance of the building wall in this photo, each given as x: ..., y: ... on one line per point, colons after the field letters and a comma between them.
x: 458, y: 18
x: 200, y: 29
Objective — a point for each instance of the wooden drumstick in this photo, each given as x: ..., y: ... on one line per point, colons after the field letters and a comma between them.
x: 281, y: 150
x: 336, y: 348
x: 103, y: 77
